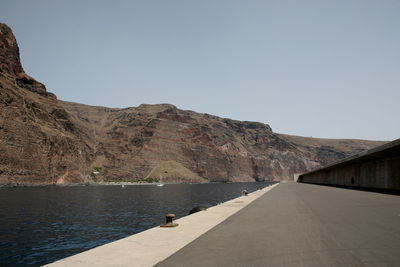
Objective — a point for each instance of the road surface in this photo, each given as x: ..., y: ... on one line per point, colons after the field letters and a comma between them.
x: 302, y: 225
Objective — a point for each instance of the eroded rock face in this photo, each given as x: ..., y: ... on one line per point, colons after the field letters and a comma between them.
x: 131, y: 143
x: 9, y: 52
x: 10, y: 64
x: 38, y: 141
x: 44, y: 140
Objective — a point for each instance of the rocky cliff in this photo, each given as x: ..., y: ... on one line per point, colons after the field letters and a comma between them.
x: 38, y: 141
x: 131, y: 143
x: 44, y: 140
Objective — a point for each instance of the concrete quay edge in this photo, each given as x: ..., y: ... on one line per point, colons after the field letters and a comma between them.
x: 152, y: 246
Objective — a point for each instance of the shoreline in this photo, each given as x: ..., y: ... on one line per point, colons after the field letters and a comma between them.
x: 151, y: 246
x: 14, y: 185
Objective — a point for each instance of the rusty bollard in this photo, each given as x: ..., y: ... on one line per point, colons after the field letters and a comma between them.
x: 169, y: 221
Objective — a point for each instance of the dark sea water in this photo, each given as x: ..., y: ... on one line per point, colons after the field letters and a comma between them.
x: 39, y: 225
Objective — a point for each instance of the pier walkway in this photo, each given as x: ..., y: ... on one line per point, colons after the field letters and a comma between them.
x: 302, y: 225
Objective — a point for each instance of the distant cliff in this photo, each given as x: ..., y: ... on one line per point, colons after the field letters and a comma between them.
x: 44, y: 140
x: 132, y: 142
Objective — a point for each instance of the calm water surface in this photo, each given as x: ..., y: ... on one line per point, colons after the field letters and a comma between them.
x: 39, y: 225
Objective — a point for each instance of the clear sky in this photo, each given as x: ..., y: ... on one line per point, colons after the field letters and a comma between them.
x: 323, y: 68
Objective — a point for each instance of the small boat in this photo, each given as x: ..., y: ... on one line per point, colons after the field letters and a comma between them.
x: 160, y: 184
x: 123, y: 186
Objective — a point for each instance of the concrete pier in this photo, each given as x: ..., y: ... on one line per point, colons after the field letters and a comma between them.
x: 294, y: 224
x: 302, y: 225
x: 154, y: 245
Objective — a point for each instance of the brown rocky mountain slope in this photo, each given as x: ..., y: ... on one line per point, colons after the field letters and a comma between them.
x: 44, y: 140
x: 131, y: 142
x: 38, y: 141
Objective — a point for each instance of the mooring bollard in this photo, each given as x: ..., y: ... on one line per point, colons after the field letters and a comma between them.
x: 200, y: 208
x: 169, y: 221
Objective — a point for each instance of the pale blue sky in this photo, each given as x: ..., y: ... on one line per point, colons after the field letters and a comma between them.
x: 310, y: 68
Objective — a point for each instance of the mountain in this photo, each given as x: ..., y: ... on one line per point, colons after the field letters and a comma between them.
x: 38, y: 141
x: 132, y: 142
x: 44, y: 140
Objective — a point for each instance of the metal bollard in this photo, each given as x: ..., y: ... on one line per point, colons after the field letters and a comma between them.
x: 169, y: 221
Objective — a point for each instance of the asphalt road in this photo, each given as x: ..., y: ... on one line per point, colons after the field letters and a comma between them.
x: 303, y: 225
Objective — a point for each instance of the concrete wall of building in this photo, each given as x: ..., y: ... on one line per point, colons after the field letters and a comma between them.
x: 379, y: 168
x: 296, y: 176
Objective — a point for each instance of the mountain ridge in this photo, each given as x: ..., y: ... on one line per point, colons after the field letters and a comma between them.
x: 44, y: 140
x: 230, y: 141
